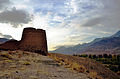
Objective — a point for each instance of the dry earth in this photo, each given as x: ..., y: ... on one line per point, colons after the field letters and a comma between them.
x: 93, y: 69
x: 26, y: 65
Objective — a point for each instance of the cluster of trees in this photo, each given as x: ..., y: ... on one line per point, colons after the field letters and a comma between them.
x: 99, y: 56
x: 109, y: 60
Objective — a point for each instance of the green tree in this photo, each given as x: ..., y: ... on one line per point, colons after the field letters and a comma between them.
x: 94, y: 56
x: 110, y: 56
x: 90, y: 56
x: 113, y: 68
x: 119, y: 67
x: 105, y: 55
x: 100, y: 56
x: 118, y: 58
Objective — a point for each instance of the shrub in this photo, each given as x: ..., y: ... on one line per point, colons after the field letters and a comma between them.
x: 90, y: 56
x: 27, y: 63
x: 110, y: 56
x: 94, y: 56
x: 79, y: 68
x: 6, y: 55
x: 84, y: 55
x: 100, y: 56
x: 114, y: 56
x: 105, y: 55
x: 119, y: 67
x: 74, y: 55
x: 9, y: 61
x: 94, y: 75
x: 113, y: 68
x: 118, y: 58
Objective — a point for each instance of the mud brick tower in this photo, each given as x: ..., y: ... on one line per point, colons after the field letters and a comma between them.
x: 34, y: 40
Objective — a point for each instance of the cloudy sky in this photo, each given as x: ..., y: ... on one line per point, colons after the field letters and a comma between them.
x: 67, y: 22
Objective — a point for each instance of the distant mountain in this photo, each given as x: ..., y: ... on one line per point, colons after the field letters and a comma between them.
x: 3, y: 40
x: 116, y: 34
x: 98, y: 46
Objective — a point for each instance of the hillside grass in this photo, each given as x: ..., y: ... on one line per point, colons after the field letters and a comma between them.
x: 110, y: 61
x: 84, y: 65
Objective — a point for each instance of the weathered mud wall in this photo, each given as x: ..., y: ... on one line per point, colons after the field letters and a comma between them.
x: 32, y: 40
x: 10, y: 45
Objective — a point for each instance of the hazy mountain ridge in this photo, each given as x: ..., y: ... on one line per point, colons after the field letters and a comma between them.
x: 3, y: 40
x: 116, y: 34
x: 99, y: 45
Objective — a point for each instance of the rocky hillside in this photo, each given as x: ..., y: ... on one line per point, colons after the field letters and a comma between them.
x: 27, y: 65
x: 98, y: 46
x: 30, y: 65
x: 90, y: 67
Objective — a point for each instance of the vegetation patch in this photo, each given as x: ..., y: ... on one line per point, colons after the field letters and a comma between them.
x: 108, y: 60
x: 85, y: 65
x: 6, y: 55
x: 69, y: 64
x: 27, y: 63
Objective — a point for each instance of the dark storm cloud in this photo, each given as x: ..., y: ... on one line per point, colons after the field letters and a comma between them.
x: 4, y: 3
x: 15, y: 17
x: 6, y: 36
x: 108, y: 17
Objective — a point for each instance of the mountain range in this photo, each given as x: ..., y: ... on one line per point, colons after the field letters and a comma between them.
x: 98, y: 46
x: 3, y: 40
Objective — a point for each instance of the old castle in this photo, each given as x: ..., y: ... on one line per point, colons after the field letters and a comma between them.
x: 33, y: 40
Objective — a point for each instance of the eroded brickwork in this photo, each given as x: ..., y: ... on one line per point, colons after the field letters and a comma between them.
x: 32, y: 40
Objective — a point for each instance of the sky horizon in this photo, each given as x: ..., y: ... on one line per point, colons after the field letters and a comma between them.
x: 67, y: 22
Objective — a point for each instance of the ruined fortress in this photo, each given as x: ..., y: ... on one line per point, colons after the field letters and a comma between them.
x: 33, y: 40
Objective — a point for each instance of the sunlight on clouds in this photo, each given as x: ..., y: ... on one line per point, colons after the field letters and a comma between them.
x: 67, y: 22
x: 55, y: 36
x: 7, y: 29
x: 58, y: 18
x: 21, y: 6
x: 26, y: 0
x: 40, y: 22
x: 74, y: 6
x: 16, y: 33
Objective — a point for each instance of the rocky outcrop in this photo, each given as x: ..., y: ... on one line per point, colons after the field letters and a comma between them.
x: 33, y: 40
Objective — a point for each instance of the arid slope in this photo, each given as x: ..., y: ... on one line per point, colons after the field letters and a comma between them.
x: 85, y: 65
x: 27, y: 65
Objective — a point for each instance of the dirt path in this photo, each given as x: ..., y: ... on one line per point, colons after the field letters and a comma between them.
x: 22, y: 65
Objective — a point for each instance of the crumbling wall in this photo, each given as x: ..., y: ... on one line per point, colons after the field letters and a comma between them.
x: 32, y: 40
x: 10, y: 45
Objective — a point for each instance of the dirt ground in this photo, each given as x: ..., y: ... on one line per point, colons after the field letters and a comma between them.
x: 26, y: 65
